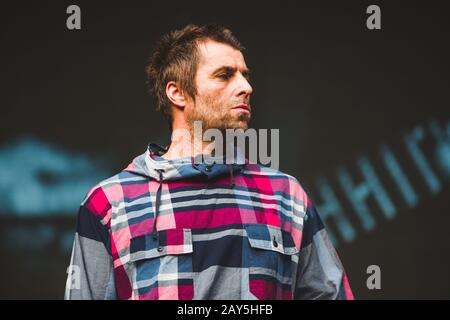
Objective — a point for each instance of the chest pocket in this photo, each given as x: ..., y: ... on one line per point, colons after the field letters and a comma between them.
x: 162, y: 268
x: 271, y: 259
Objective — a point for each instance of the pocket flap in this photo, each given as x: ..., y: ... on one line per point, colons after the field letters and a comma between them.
x: 272, y: 238
x: 169, y: 242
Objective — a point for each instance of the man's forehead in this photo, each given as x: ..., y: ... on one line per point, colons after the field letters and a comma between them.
x: 215, y: 54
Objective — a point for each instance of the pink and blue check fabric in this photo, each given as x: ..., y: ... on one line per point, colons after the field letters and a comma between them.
x: 171, y: 229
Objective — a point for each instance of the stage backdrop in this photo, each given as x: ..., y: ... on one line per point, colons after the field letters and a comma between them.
x: 363, y: 117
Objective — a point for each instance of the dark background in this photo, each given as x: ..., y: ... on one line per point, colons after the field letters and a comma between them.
x: 335, y: 89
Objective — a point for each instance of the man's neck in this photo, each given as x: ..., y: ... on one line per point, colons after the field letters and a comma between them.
x: 184, y: 144
x: 183, y: 149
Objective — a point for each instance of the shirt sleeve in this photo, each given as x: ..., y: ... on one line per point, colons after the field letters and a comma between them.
x: 91, y: 272
x: 320, y: 273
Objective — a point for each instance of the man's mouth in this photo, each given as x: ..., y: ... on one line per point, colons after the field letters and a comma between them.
x: 243, y: 107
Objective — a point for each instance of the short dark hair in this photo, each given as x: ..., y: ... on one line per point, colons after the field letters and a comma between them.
x: 175, y: 58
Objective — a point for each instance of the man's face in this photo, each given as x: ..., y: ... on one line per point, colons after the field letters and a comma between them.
x: 223, y: 90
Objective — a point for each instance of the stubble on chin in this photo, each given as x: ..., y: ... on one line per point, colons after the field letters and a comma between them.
x: 214, y: 116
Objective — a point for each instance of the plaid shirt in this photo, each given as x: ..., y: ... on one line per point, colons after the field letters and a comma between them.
x: 171, y: 229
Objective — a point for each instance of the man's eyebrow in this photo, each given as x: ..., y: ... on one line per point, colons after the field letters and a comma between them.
x: 245, y: 72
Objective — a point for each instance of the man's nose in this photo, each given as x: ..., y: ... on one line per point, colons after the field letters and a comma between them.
x: 244, y: 87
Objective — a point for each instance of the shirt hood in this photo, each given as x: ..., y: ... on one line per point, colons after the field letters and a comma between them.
x: 151, y: 164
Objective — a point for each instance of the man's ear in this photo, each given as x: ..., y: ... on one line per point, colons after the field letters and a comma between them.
x: 175, y: 94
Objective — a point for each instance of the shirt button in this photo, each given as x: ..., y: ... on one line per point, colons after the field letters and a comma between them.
x: 160, y: 249
x: 207, y: 169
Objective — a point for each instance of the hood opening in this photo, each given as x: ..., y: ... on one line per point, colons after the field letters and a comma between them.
x: 151, y: 164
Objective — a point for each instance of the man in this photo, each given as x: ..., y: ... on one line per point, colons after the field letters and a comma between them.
x: 169, y: 227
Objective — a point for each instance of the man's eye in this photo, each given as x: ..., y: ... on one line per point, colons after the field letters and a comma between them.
x: 224, y: 76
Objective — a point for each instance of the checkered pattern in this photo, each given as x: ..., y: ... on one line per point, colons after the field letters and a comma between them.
x: 251, y: 234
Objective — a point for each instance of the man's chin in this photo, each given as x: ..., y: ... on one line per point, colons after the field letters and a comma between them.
x: 232, y: 124
x: 238, y: 125
x: 241, y: 123
x: 243, y: 126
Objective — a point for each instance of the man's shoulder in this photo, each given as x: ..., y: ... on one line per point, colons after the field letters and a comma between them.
x: 259, y: 170
x: 108, y: 190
